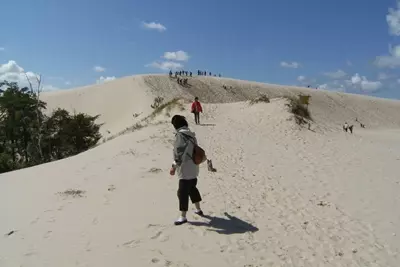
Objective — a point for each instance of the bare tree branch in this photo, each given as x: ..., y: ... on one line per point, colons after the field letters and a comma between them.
x: 39, y: 123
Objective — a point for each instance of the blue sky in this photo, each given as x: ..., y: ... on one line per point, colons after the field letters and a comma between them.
x: 344, y: 45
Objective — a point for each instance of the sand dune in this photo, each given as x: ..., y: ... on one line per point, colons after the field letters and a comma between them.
x: 281, y: 196
x: 117, y: 101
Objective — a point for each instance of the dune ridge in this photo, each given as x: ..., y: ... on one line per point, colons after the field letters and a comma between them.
x: 283, y: 195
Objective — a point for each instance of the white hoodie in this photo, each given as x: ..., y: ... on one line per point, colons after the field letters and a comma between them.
x: 183, y: 151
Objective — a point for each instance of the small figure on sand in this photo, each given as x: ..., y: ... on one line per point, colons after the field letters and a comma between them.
x: 185, y: 167
x: 196, y: 109
x: 345, y: 127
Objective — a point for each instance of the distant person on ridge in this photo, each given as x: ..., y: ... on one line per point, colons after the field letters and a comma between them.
x: 187, y: 170
x: 196, y: 109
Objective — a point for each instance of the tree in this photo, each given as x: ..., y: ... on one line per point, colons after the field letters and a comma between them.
x: 18, y: 119
x: 38, y: 110
x: 28, y: 137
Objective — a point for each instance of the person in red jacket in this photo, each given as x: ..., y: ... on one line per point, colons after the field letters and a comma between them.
x: 196, y: 109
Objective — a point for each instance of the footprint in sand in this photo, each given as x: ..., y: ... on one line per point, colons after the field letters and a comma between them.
x: 131, y: 243
x: 35, y: 220
x: 106, y: 200
x: 159, y: 236
x: 111, y: 188
x: 47, y: 234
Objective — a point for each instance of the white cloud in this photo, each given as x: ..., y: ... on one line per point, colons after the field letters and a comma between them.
x: 67, y: 83
x: 10, y: 67
x: 349, y: 63
x: 2, y: 48
x: 393, y: 20
x: 364, y: 84
x: 370, y: 86
x: 383, y: 76
x: 178, y: 55
x: 355, y: 79
x: 103, y: 79
x: 336, y: 74
x: 389, y: 61
x: 323, y: 86
x: 393, y: 59
x: 166, y: 65
x: 154, y: 26
x: 99, y: 69
x: 335, y: 86
x: 301, y: 78
x: 293, y: 64
x: 12, y: 72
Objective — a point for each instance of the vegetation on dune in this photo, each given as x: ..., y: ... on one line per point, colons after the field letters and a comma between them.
x: 73, y: 193
x: 28, y: 137
x: 299, y: 110
x: 167, y: 106
x: 157, y: 102
x: 159, y: 106
x: 261, y: 99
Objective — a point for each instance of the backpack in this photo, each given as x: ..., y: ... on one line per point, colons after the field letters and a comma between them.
x: 199, y: 155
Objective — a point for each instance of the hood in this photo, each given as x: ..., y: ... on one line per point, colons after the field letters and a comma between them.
x: 185, y: 130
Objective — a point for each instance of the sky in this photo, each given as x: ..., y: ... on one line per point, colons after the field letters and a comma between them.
x: 343, y: 45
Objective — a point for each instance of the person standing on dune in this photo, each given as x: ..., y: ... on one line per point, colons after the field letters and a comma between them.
x: 186, y: 168
x: 196, y: 109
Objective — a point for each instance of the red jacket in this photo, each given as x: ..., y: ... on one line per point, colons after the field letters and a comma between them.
x: 196, y: 107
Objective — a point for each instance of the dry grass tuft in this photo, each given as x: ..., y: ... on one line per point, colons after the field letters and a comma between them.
x: 73, y: 193
x: 261, y: 99
x: 300, y: 111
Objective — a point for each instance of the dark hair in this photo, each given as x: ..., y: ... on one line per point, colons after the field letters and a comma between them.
x: 196, y: 98
x: 179, y: 121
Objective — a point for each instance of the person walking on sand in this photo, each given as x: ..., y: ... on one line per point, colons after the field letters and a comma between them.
x: 185, y: 167
x: 196, y: 109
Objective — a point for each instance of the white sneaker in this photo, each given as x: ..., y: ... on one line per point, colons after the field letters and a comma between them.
x: 180, y: 221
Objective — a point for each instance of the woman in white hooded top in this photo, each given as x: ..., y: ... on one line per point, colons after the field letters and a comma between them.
x: 186, y: 169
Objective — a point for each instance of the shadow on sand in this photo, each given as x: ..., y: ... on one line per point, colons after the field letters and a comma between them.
x: 227, y: 226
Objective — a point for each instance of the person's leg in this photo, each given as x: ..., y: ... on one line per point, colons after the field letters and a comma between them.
x: 183, y: 196
x: 195, y: 196
x: 198, y: 118
x: 195, y: 117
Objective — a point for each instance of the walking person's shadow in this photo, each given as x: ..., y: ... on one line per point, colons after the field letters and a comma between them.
x: 226, y: 226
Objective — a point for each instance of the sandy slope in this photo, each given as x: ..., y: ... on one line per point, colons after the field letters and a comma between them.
x: 281, y: 196
x: 117, y: 101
